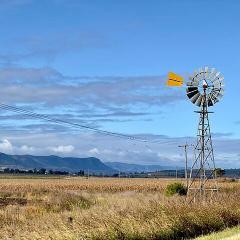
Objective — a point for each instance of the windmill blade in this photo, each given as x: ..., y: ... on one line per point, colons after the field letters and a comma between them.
x: 216, y: 77
x: 220, y: 95
x: 190, y: 78
x: 206, y: 72
x: 209, y: 101
x: 215, y: 92
x: 196, y: 82
x: 197, y: 78
x: 192, y: 81
x: 195, y: 97
x: 195, y: 75
x: 214, y: 98
x: 191, y: 91
x: 199, y: 101
x: 192, y: 88
x: 221, y: 78
x: 217, y: 88
x: 222, y: 85
x: 218, y: 83
x: 192, y: 84
x: 222, y: 91
x: 200, y: 70
x: 213, y: 71
x: 217, y: 74
x: 212, y: 74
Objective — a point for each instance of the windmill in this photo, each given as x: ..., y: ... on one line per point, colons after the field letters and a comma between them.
x: 204, y: 89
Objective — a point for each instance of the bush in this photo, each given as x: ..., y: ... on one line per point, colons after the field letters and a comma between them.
x: 175, y: 188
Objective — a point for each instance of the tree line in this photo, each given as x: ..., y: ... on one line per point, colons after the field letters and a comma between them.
x: 42, y: 171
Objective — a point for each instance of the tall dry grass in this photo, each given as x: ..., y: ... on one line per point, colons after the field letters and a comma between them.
x: 105, y: 208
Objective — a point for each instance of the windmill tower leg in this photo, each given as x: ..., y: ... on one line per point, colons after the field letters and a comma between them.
x: 203, y: 175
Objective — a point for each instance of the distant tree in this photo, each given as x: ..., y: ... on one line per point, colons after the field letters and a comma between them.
x: 57, y: 172
x: 219, y: 172
x: 42, y: 171
x: 80, y: 173
x: 6, y: 170
x: 16, y: 170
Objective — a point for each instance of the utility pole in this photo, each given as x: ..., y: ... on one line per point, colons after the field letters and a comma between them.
x: 185, y: 146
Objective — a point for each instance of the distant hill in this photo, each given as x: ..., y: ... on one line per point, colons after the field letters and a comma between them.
x: 232, y: 173
x: 128, y: 167
x: 70, y: 164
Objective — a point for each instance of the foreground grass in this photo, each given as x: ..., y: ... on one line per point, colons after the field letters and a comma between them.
x: 228, y: 234
x: 104, y: 208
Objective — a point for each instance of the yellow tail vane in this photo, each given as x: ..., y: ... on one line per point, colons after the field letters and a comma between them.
x: 174, y: 80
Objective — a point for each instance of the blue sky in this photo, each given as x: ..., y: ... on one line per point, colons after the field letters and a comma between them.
x: 104, y: 64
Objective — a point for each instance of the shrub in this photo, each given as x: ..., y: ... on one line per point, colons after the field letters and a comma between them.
x: 175, y: 188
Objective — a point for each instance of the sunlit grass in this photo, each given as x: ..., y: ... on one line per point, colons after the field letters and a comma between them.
x: 228, y: 234
x: 109, y: 208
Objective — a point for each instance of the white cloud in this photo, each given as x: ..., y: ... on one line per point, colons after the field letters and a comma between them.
x: 6, y: 146
x: 106, y: 148
x: 62, y: 149
x: 121, y: 153
x: 37, y: 85
x: 107, y: 151
x: 94, y: 151
x: 25, y: 149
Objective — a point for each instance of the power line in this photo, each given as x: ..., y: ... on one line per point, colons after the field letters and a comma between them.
x: 76, y: 125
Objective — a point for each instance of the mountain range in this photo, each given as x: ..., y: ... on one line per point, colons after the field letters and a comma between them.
x: 70, y: 164
x: 130, y: 167
x: 73, y: 164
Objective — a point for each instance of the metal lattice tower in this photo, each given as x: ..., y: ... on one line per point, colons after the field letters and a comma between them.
x: 203, y: 167
x: 204, y: 90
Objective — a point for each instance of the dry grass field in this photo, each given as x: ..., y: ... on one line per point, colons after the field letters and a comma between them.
x: 108, y: 208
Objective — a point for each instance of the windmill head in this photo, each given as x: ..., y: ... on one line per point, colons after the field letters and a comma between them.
x: 205, y: 86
